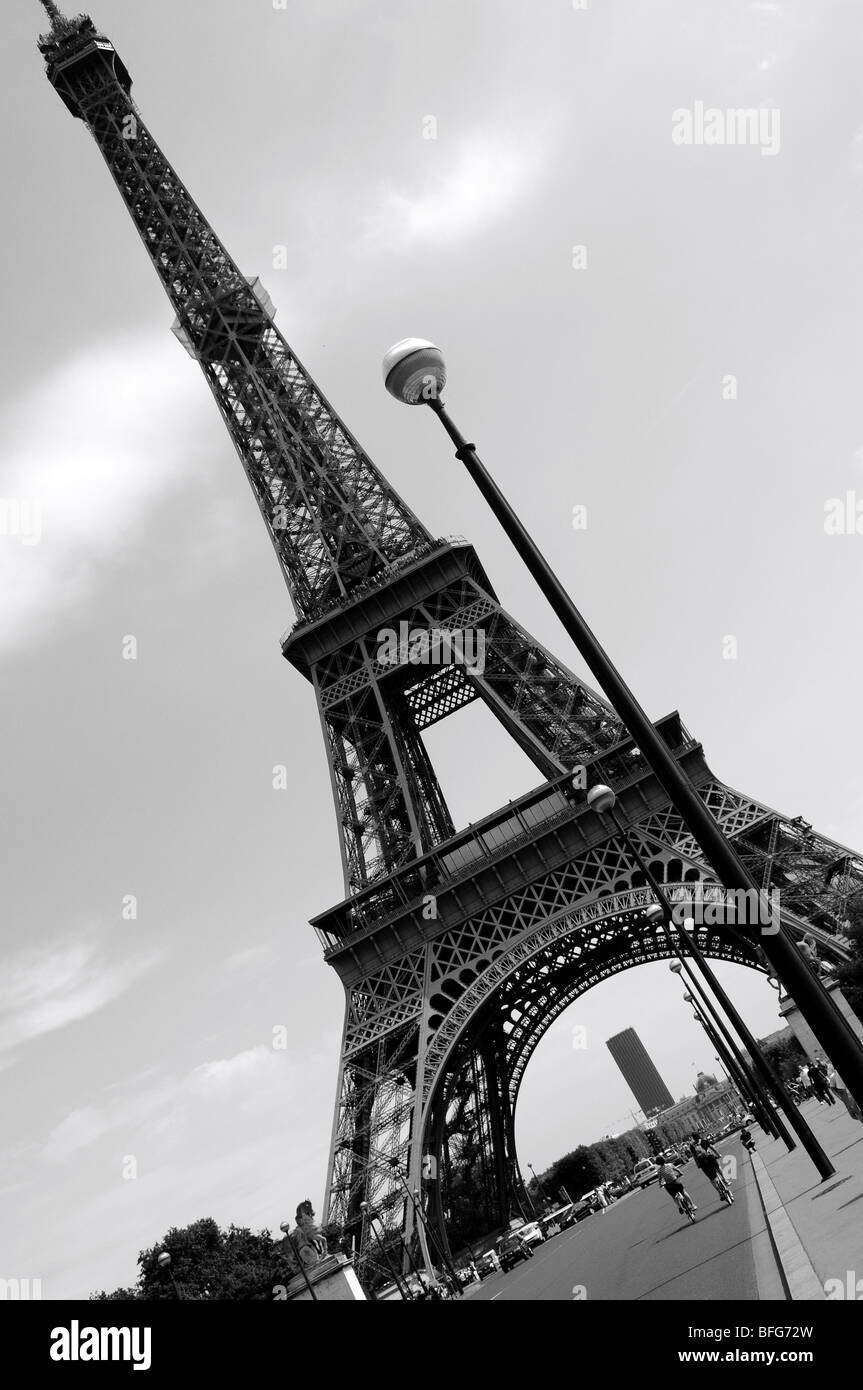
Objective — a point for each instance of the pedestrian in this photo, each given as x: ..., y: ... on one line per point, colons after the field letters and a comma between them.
x: 847, y: 1100
x: 746, y: 1139
x: 821, y: 1083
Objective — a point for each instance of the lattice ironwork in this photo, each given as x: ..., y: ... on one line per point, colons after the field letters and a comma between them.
x: 333, y: 519
x: 442, y: 1014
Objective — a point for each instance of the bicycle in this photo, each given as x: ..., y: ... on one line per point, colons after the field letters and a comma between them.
x: 723, y: 1188
x: 685, y: 1206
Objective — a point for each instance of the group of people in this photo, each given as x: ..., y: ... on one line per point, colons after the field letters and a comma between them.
x: 814, y: 1079
x: 708, y: 1159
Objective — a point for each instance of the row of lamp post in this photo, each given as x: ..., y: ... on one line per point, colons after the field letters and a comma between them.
x: 414, y: 372
x: 730, y: 1057
x: 602, y: 800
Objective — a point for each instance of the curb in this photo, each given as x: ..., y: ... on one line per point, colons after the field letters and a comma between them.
x: 797, y: 1268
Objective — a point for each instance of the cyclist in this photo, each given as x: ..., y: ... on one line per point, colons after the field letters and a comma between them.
x: 746, y: 1139
x: 709, y: 1161
x: 669, y: 1178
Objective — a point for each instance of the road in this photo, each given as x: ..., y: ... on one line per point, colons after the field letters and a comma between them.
x: 642, y: 1248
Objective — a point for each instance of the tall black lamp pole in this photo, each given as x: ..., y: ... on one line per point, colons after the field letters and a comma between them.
x: 414, y: 372
x: 602, y: 800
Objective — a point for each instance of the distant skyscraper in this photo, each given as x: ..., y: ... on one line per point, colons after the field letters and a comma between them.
x: 639, y: 1073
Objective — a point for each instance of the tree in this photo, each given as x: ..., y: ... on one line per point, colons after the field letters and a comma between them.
x: 786, y: 1056
x: 207, y: 1262
x: 578, y: 1171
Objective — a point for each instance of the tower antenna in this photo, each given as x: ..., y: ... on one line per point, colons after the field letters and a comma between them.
x: 62, y: 27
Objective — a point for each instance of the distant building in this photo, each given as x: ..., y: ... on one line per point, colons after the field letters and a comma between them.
x: 639, y: 1073
x: 713, y: 1105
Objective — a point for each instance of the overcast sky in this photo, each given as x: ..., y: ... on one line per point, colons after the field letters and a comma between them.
x: 140, y: 1085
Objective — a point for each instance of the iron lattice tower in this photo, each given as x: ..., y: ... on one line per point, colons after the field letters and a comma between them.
x: 456, y: 950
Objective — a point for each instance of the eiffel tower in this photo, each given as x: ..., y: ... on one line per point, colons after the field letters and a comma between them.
x: 457, y: 949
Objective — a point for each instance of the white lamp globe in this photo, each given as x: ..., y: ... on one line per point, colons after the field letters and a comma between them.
x: 414, y: 371
x: 601, y: 799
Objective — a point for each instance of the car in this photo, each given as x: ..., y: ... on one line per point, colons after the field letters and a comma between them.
x: 487, y: 1264
x: 557, y: 1221
x: 620, y: 1187
x: 532, y: 1233
x: 583, y: 1207
x: 593, y: 1198
x: 644, y: 1173
x: 676, y: 1153
x: 511, y: 1249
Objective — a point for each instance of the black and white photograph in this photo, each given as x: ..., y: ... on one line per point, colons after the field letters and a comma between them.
x: 432, y: 838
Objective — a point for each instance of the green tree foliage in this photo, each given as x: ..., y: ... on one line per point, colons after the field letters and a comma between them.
x: 591, y: 1164
x: 786, y: 1056
x: 207, y: 1262
x: 578, y: 1172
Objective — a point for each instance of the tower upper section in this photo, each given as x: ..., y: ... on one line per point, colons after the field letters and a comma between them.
x: 335, y: 523
x: 81, y: 62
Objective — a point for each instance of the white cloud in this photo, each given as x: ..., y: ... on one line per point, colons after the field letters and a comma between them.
x: 43, y: 990
x: 242, y: 1138
x: 86, y: 454
x: 243, y: 1067
x: 481, y: 182
x: 172, y: 1107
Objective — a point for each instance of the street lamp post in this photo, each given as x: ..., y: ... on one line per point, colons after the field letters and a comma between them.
x: 164, y: 1262
x: 392, y: 1166
x: 539, y: 1188
x: 752, y: 1085
x: 725, y: 1057
x: 415, y: 1199
x: 738, y: 1073
x: 371, y: 1217
x: 414, y: 372
x: 712, y: 1036
x: 539, y: 1185
x: 602, y: 800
